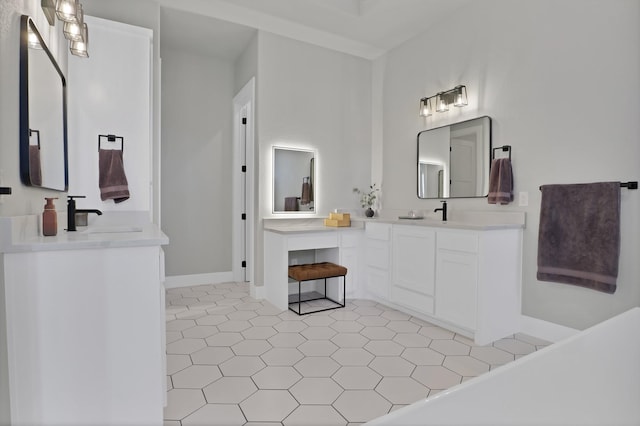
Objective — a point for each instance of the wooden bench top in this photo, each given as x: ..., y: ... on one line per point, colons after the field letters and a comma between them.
x: 315, y: 271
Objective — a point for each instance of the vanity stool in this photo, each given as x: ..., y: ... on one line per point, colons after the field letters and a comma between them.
x: 316, y: 271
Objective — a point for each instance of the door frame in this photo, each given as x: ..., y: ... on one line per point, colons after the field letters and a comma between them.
x: 244, y: 103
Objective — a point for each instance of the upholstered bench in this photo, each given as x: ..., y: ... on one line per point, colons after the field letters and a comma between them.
x: 311, y: 272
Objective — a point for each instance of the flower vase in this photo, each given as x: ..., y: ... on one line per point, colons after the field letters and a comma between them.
x: 369, y: 212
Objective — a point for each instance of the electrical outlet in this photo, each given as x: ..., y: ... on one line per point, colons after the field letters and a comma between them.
x: 523, y: 199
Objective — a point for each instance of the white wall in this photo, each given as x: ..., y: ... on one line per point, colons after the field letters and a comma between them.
x: 110, y: 93
x: 312, y: 97
x: 560, y: 81
x: 196, y: 162
x: 146, y: 14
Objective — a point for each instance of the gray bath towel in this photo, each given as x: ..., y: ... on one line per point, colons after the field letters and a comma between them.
x: 501, y: 182
x: 112, y: 179
x: 579, y: 236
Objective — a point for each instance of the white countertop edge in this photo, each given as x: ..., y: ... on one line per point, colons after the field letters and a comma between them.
x: 17, y: 237
x: 294, y: 226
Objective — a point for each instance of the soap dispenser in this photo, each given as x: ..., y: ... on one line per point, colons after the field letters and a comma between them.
x: 49, y: 218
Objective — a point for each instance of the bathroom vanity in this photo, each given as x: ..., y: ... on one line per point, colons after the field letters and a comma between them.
x: 84, y: 321
x: 464, y: 275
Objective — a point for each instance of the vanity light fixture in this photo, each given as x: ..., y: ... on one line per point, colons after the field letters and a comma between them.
x: 79, y: 48
x: 66, y: 10
x: 456, y: 97
x: 426, y: 109
x: 73, y: 30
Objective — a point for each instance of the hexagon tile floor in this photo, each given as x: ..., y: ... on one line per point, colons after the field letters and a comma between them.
x: 234, y: 360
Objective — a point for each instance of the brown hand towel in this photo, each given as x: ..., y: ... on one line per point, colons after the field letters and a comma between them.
x: 112, y: 180
x: 35, y: 170
x: 579, y: 235
x: 501, y: 182
x: 291, y: 204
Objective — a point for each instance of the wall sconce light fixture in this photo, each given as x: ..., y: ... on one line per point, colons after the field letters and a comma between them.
x: 79, y: 47
x: 73, y: 30
x: 71, y: 14
x: 456, y: 97
x: 66, y: 10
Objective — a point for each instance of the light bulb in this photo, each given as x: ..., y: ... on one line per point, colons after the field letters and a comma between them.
x: 66, y: 10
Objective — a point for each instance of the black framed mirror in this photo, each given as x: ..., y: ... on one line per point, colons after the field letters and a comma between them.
x: 43, y: 113
x: 454, y: 160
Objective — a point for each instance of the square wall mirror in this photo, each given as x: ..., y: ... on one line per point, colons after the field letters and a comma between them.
x: 454, y: 160
x: 293, y: 180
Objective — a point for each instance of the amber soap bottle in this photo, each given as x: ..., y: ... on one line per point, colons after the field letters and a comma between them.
x: 49, y: 218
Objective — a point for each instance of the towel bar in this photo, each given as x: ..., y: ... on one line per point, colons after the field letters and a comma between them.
x: 628, y: 185
x: 504, y: 148
x: 112, y: 138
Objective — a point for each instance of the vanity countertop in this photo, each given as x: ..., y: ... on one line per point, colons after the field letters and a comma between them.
x: 295, y: 226
x: 478, y: 221
x: 20, y: 234
x: 450, y: 224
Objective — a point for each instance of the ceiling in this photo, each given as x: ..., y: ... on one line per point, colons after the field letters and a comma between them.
x: 365, y: 28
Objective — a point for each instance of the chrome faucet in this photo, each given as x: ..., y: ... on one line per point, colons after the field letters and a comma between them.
x: 71, y: 211
x: 443, y: 209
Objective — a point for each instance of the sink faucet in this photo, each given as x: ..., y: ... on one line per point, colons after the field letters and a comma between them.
x: 71, y: 211
x: 443, y: 209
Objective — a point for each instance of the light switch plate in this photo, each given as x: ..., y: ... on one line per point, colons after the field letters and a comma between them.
x: 523, y: 199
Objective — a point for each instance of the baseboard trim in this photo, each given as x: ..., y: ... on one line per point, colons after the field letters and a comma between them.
x: 545, y: 330
x: 257, y: 292
x: 178, y: 281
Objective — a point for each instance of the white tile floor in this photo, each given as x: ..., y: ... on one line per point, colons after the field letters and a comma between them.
x: 233, y: 360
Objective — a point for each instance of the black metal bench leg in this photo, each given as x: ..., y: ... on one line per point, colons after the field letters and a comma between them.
x: 299, y: 299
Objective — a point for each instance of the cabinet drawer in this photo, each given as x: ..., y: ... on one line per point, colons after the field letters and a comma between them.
x: 416, y: 301
x: 315, y: 241
x: 458, y: 241
x: 378, y: 231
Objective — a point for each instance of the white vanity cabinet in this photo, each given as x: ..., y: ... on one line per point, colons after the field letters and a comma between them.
x: 478, y: 280
x: 377, y: 259
x: 350, y: 242
x: 84, y: 320
x: 413, y: 260
x: 466, y: 280
x: 457, y: 278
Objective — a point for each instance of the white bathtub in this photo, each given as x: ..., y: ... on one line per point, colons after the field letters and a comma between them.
x: 591, y: 378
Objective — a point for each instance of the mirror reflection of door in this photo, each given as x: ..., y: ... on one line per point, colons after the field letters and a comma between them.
x: 463, y: 167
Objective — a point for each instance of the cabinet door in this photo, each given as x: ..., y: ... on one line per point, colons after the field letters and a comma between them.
x: 377, y: 282
x: 349, y: 259
x: 456, y: 288
x: 414, y: 259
